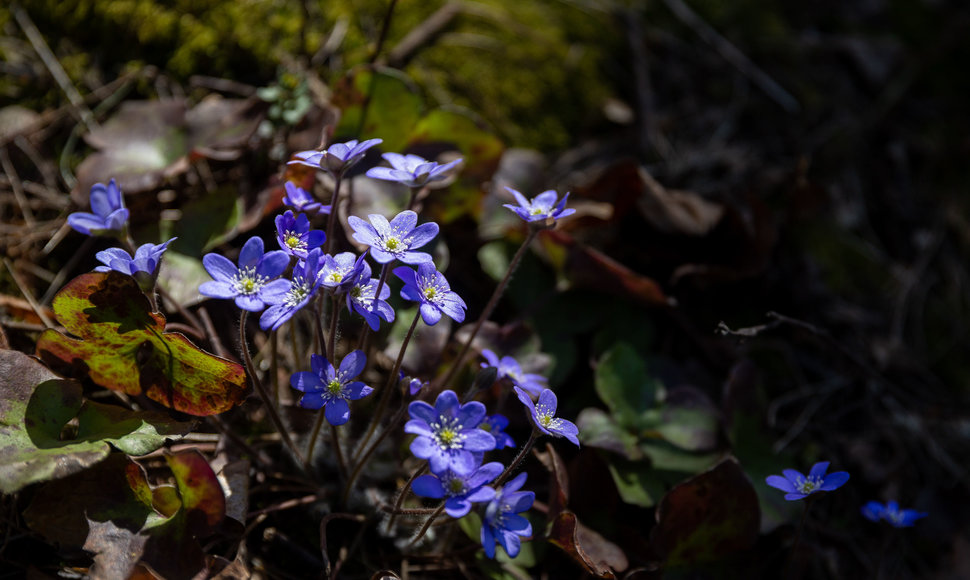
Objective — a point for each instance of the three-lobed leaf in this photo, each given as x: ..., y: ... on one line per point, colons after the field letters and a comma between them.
x: 123, y: 346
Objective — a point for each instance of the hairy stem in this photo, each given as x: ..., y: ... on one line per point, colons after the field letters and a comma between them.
x: 492, y: 302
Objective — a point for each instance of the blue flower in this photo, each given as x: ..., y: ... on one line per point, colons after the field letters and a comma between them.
x: 143, y: 267
x: 338, y: 158
x: 509, y: 368
x: 286, y: 300
x: 300, y: 200
x: 875, y: 511
x: 360, y: 299
x: 415, y: 385
x: 496, y: 424
x: 110, y: 215
x: 448, y: 433
x: 797, y: 486
x: 502, y: 522
x: 543, y: 414
x: 411, y: 170
x: 542, y: 207
x: 295, y: 236
x: 430, y: 289
x: 341, y: 271
x: 396, y: 239
x: 461, y: 490
x: 332, y: 388
x: 251, y: 281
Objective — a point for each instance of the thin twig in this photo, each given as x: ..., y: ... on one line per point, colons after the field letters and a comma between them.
x: 733, y: 55
x: 17, y: 187
x: 27, y: 294
x: 327, y: 568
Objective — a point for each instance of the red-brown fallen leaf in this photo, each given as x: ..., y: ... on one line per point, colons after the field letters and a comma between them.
x: 588, y: 267
x: 707, y: 517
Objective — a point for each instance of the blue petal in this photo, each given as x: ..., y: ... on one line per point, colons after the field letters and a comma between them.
x: 428, y: 486
x: 779, y: 482
x: 834, y: 480
x: 337, y: 412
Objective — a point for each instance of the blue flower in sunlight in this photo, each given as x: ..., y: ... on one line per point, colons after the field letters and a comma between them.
x: 252, y: 281
x: 411, y: 170
x: 509, y: 368
x: 542, y: 207
x: 143, y: 267
x: 429, y: 288
x: 337, y: 158
x: 797, y: 486
x: 300, y: 200
x: 502, y: 522
x: 461, y: 491
x: 295, y: 236
x: 341, y: 271
x: 361, y: 299
x: 396, y: 239
x: 875, y: 511
x: 286, y: 300
x: 448, y: 434
x: 332, y: 388
x: 496, y: 424
x: 543, y: 414
x: 110, y: 215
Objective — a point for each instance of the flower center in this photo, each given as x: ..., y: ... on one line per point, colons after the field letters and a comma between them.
x: 809, y: 484
x: 247, y: 281
x: 335, y: 277
x: 456, y: 486
x: 392, y: 243
x: 294, y: 242
x: 448, y: 434
x: 334, y: 387
x: 430, y: 293
x: 299, y: 290
x: 536, y: 211
x: 546, y: 419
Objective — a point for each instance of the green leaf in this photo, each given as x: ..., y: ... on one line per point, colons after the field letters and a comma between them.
x: 37, y: 405
x: 599, y: 429
x: 622, y: 382
x: 390, y: 100
x: 122, y: 346
x: 636, y: 481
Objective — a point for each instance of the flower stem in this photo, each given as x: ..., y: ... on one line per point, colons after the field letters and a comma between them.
x: 274, y: 366
x: 518, y: 458
x: 335, y: 440
x: 365, y: 455
x: 793, y: 557
x: 314, y: 435
x: 404, y: 493
x: 332, y: 336
x: 332, y: 218
x: 270, y: 409
x: 385, y: 270
x: 492, y: 302
x: 391, y: 378
x: 427, y: 523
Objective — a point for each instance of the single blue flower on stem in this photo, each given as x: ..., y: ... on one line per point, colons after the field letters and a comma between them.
x: 509, y: 368
x: 542, y: 207
x: 143, y: 267
x: 502, y: 522
x: 110, y: 216
x: 394, y: 240
x: 461, y: 491
x: 332, y: 388
x: 448, y: 434
x: 411, y: 170
x: 252, y: 281
x: 286, y: 300
x: 543, y: 414
x: 337, y: 158
x: 295, y: 236
x: 361, y: 299
x: 300, y: 200
x: 797, y: 486
x: 430, y: 289
x: 496, y: 424
x: 875, y: 511
x: 341, y: 271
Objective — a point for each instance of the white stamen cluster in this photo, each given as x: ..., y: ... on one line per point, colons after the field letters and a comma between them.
x: 447, y: 433
x: 247, y: 281
x: 546, y: 419
x: 809, y: 484
x: 299, y: 290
